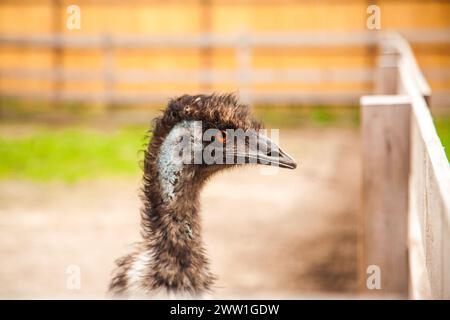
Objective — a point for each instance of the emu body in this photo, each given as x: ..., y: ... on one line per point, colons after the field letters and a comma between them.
x: 170, y: 260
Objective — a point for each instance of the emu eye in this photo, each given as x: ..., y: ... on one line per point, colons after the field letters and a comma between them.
x: 221, y: 135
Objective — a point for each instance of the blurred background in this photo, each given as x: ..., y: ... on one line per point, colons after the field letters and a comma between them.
x: 76, y: 103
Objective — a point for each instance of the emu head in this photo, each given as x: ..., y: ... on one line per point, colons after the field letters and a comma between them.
x: 202, y: 134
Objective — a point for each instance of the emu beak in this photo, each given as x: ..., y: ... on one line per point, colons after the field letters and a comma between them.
x: 269, y: 153
x: 266, y: 152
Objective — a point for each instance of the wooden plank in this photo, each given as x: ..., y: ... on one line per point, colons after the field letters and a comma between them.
x: 309, y: 75
x: 430, y: 179
x: 418, y: 176
x: 386, y: 81
x: 433, y: 232
x: 282, y: 39
x: 385, y: 158
x: 409, y: 64
x: 419, y: 287
x: 446, y: 261
x: 328, y: 97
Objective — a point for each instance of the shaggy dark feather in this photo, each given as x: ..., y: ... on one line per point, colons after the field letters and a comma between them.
x: 171, y: 258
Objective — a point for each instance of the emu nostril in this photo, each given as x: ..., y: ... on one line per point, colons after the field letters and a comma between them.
x: 273, y: 153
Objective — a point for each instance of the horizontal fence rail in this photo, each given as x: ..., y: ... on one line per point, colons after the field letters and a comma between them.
x: 405, y: 223
x: 304, y: 38
x: 316, y: 39
x: 429, y: 193
x: 243, y: 76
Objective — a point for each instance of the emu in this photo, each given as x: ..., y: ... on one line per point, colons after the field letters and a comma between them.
x: 170, y: 260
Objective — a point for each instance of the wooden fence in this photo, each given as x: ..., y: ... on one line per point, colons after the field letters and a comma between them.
x: 405, y: 216
x: 244, y: 76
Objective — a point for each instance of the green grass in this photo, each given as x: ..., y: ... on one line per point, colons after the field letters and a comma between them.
x: 442, y: 124
x: 81, y: 152
x: 72, y: 154
x: 282, y: 116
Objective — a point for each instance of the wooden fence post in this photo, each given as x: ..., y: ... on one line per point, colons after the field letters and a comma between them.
x: 108, y: 69
x: 384, y: 219
x: 386, y: 80
x: 244, y: 64
x: 58, y: 52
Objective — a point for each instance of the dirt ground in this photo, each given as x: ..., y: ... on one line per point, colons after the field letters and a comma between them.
x: 291, y: 234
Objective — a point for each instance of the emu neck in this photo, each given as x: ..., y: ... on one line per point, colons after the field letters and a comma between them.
x: 171, y: 228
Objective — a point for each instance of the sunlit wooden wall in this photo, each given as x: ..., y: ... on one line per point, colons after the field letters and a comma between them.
x: 187, y: 17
